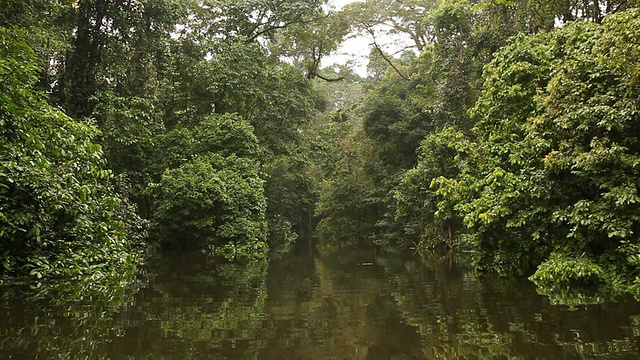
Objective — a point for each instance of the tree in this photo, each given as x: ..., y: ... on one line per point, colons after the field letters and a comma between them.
x: 213, y: 203
x: 211, y: 195
x: 45, y: 25
x: 345, y: 203
x: 188, y: 62
x: 59, y: 216
x: 379, y: 18
x: 416, y: 204
x: 550, y: 183
x: 307, y: 44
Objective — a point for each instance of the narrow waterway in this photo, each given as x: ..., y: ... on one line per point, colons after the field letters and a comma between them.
x: 341, y: 305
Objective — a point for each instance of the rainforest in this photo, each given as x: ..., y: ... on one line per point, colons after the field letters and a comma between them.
x: 502, y: 135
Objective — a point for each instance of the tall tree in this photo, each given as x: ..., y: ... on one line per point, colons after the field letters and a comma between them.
x: 59, y: 216
x: 550, y: 184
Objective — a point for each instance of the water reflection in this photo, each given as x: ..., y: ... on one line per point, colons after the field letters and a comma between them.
x: 341, y: 305
x: 64, y: 321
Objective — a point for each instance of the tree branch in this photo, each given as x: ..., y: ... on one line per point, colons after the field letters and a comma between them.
x: 296, y: 20
x: 328, y: 79
x: 384, y: 56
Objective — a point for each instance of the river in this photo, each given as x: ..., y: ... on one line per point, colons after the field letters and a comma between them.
x: 336, y: 305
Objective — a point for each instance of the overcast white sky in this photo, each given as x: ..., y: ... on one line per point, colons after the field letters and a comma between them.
x: 353, y: 50
x: 356, y: 50
x: 340, y: 3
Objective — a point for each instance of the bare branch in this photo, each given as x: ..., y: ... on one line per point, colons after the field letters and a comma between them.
x: 384, y: 56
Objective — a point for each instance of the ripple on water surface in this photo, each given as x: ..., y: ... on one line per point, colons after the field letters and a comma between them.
x: 343, y: 305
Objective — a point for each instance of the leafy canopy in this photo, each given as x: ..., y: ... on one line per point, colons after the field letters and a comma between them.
x: 58, y: 214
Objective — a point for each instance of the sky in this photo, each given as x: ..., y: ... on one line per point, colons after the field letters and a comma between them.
x: 340, y: 3
x: 356, y: 50
x: 353, y: 50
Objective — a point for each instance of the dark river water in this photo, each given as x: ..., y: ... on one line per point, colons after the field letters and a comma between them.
x: 341, y: 305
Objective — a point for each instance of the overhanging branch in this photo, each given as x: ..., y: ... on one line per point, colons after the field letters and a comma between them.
x: 384, y: 56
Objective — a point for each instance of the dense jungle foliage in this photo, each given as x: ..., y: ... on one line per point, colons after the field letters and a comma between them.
x: 505, y: 128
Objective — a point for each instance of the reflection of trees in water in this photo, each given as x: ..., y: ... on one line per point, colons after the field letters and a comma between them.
x: 334, y: 307
x: 359, y: 305
x: 461, y: 316
x: 184, y: 307
x: 70, y: 320
x: 198, y: 308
